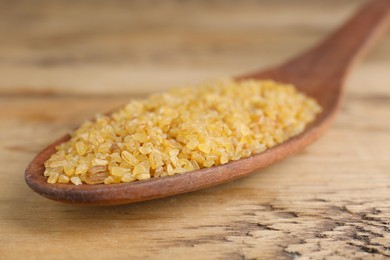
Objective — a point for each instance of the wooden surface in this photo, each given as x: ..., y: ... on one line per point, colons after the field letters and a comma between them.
x: 319, y: 72
x: 61, y: 62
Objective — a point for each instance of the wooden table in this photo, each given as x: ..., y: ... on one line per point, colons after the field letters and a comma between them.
x: 61, y: 62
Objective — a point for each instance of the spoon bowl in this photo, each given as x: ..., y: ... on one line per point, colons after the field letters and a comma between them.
x: 319, y: 72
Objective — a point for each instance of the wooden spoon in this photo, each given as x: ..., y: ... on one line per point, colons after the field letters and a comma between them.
x: 319, y: 72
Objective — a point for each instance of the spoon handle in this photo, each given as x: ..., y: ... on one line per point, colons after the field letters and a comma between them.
x: 328, y: 63
x: 345, y: 47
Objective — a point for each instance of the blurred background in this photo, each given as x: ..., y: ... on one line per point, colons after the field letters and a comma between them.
x: 133, y: 47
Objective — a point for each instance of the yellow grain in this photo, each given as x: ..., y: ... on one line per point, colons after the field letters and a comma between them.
x: 180, y: 131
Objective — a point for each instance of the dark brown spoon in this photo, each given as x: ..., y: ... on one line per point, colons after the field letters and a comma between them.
x: 319, y: 72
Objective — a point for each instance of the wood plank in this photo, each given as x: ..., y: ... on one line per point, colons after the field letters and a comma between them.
x: 62, y: 62
x: 133, y: 47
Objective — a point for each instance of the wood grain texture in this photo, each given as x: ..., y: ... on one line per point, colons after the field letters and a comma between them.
x: 332, y: 200
x: 319, y: 72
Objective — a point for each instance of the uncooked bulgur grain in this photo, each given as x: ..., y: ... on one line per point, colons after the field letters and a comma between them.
x: 182, y: 130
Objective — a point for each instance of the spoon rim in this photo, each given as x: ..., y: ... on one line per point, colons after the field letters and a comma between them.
x: 123, y: 193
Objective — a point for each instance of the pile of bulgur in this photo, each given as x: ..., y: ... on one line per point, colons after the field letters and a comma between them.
x: 182, y: 130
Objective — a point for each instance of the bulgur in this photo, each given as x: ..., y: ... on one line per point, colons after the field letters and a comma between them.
x: 182, y: 130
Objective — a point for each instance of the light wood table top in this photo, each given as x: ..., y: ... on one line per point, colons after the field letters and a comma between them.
x: 61, y: 62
